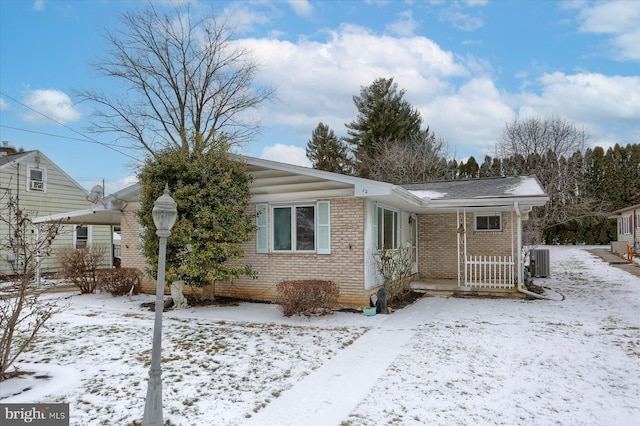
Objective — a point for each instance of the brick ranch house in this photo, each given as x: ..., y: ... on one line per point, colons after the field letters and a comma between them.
x: 463, y: 236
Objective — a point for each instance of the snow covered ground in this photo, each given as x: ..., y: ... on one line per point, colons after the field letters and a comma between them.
x: 440, y: 361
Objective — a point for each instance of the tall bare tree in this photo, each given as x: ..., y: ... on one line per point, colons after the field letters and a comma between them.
x: 184, y: 79
x: 546, y: 147
x: 420, y: 158
x: 539, y: 135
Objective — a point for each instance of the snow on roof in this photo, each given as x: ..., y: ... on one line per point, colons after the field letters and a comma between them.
x: 527, y: 185
x: 432, y: 195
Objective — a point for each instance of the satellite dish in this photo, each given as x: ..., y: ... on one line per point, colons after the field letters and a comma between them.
x: 95, y: 194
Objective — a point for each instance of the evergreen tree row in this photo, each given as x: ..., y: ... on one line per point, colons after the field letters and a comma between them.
x: 387, y: 142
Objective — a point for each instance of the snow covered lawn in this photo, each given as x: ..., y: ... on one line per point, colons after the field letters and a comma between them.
x: 471, y: 361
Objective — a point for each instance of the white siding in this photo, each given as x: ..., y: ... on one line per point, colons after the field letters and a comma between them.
x: 62, y: 194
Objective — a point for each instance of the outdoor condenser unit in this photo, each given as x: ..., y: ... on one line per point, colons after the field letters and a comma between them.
x: 540, y: 263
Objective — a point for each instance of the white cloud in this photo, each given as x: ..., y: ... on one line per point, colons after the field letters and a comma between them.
x: 405, y: 25
x: 110, y: 186
x: 459, y: 19
x: 49, y: 104
x: 618, y: 19
x: 301, y: 7
x: 243, y: 18
x: 607, y: 106
x: 588, y: 97
x: 472, y: 118
x: 457, y: 96
x: 317, y: 80
x: 4, y: 105
x: 289, y: 154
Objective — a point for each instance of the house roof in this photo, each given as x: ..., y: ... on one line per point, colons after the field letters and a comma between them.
x: 281, y: 182
x: 617, y: 213
x: 7, y: 159
x: 19, y: 157
x: 467, y: 189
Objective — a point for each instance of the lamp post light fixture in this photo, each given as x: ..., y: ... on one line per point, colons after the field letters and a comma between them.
x: 164, y: 216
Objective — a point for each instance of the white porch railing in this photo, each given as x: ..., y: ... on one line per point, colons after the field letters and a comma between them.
x: 489, y: 271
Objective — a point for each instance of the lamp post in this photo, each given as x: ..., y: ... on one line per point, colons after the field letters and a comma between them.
x: 164, y: 216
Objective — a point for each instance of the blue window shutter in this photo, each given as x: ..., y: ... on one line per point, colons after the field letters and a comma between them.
x: 323, y: 227
x: 262, y: 228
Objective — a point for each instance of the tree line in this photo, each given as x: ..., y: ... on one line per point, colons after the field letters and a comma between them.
x: 387, y: 141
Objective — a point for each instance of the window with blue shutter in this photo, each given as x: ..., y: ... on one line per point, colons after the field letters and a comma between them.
x: 262, y: 228
x: 323, y: 227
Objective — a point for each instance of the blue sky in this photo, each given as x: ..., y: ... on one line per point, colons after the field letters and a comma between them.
x: 468, y: 66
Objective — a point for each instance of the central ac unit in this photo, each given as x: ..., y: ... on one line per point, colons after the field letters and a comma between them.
x: 540, y: 266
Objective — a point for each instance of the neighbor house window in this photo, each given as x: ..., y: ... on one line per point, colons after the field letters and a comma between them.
x: 489, y: 222
x: 81, y: 236
x: 37, y: 178
x: 388, y: 232
x: 626, y: 225
x: 297, y: 228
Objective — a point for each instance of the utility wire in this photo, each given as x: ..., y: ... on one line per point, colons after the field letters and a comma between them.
x: 86, y: 138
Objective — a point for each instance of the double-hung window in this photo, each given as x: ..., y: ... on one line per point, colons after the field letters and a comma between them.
x: 37, y: 178
x: 488, y: 222
x: 293, y: 228
x: 81, y: 236
x: 626, y: 225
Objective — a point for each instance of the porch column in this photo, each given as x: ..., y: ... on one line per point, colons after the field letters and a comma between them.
x: 519, y: 243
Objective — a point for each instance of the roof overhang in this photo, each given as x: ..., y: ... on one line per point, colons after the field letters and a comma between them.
x: 92, y: 216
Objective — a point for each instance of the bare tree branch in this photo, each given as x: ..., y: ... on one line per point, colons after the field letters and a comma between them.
x: 186, y: 82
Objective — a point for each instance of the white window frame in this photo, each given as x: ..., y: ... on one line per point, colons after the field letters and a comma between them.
x: 476, y: 216
x: 321, y: 227
x: 396, y: 231
x: 292, y: 208
x: 626, y: 225
x: 33, y: 184
x: 75, y: 235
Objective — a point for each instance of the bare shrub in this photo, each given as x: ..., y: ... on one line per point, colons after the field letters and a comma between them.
x: 79, y: 266
x: 307, y: 297
x: 22, y: 313
x: 120, y: 281
x: 394, y: 265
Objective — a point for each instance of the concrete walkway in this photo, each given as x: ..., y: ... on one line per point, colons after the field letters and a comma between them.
x: 616, y: 261
x: 329, y: 394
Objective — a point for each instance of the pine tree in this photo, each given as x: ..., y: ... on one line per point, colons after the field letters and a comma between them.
x: 383, y: 116
x: 327, y: 152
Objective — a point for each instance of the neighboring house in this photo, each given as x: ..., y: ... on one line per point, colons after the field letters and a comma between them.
x: 312, y: 224
x: 628, y: 221
x: 43, y: 189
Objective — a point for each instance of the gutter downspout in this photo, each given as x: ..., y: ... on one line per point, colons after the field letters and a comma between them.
x: 519, y: 250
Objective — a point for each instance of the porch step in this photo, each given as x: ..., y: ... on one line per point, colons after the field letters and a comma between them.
x: 449, y: 288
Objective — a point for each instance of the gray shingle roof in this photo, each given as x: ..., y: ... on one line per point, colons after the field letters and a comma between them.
x: 515, y: 186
